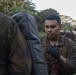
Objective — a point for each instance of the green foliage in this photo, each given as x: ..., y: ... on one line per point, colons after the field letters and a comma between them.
x: 40, y: 27
x: 14, y: 10
x: 13, y: 6
x: 67, y: 26
x: 41, y: 33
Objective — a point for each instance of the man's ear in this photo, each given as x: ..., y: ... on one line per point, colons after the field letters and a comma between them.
x: 60, y: 26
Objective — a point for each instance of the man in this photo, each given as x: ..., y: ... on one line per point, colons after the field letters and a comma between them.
x: 59, y: 51
x: 14, y: 53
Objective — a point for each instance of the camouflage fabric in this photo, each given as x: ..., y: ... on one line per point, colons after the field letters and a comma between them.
x: 14, y: 53
x: 69, y: 34
x: 67, y: 48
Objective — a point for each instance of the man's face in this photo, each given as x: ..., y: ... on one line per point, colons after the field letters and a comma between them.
x: 52, y: 28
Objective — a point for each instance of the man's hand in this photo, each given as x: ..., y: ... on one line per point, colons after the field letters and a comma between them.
x: 54, y: 51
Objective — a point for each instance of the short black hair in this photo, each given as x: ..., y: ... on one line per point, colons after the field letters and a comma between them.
x: 53, y: 17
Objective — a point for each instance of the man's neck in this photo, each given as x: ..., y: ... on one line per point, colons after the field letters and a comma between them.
x: 54, y: 41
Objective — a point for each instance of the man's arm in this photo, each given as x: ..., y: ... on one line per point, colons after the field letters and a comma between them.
x: 69, y: 63
x: 62, y: 60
